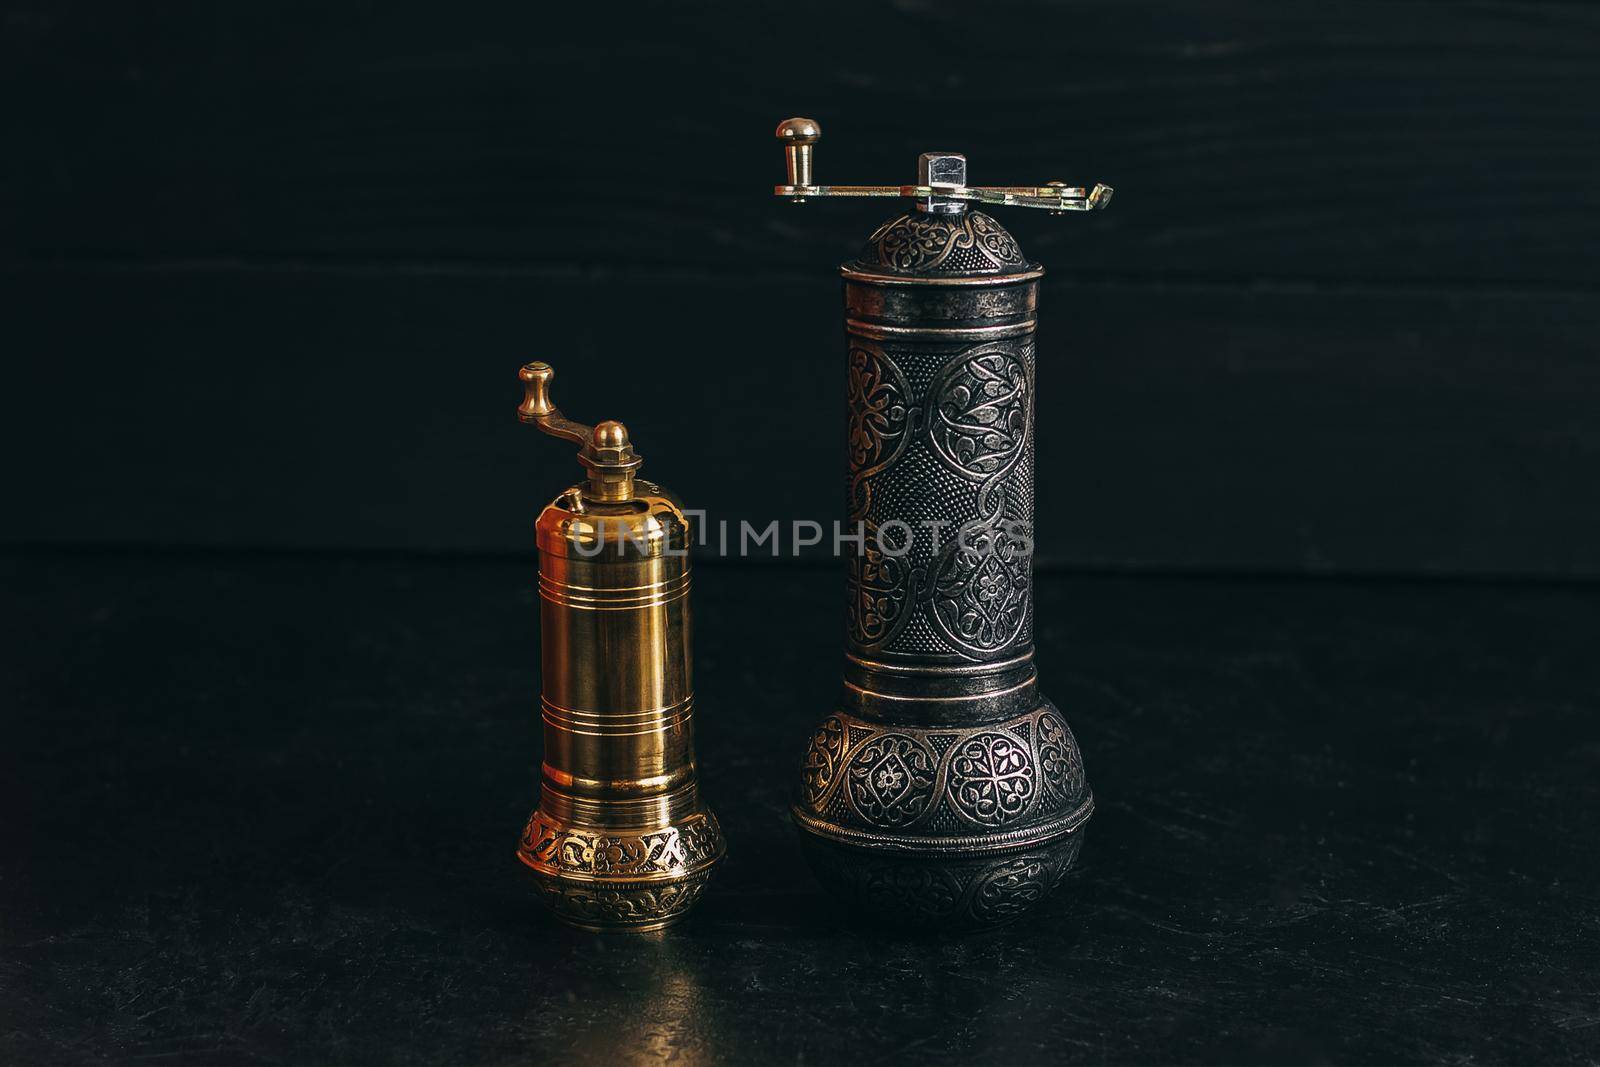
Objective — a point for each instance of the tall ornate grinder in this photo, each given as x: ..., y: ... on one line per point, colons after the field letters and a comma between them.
x: 944, y: 790
x: 620, y: 839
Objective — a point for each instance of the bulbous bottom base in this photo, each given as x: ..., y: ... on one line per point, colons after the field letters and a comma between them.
x: 955, y: 826
x: 605, y: 879
x: 943, y: 892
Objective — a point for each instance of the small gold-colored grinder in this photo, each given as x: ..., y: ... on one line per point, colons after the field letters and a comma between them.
x: 621, y: 839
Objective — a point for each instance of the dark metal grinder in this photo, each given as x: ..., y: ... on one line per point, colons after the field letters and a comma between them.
x: 944, y: 790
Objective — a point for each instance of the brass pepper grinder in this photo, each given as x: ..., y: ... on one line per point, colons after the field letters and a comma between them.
x: 621, y: 839
x: 944, y: 790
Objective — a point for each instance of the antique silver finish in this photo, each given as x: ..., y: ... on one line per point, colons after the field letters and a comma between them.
x: 943, y: 789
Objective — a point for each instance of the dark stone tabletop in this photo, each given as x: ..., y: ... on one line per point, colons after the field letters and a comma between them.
x: 262, y: 809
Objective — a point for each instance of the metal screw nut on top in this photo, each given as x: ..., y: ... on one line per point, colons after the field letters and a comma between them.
x: 941, y: 170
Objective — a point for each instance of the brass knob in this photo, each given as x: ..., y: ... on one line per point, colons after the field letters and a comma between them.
x: 610, y: 435
x: 798, y: 137
x: 536, y: 391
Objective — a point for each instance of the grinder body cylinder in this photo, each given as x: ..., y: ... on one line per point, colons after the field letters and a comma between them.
x: 944, y: 789
x: 621, y: 838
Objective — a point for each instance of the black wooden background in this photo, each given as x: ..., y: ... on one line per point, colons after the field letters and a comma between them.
x: 269, y: 269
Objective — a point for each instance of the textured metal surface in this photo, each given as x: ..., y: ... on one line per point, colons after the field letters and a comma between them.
x: 943, y: 789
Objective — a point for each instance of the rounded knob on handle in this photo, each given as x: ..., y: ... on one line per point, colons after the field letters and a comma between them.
x: 536, y: 391
x: 798, y: 136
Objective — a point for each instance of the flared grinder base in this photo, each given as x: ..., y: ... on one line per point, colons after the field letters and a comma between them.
x: 945, y: 828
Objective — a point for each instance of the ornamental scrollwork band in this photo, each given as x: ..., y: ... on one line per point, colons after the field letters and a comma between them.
x: 879, y: 591
x: 1006, y: 890
x: 1059, y: 760
x: 690, y: 846
x: 822, y: 759
x: 944, y: 781
x: 613, y: 905
x: 970, y: 893
x: 880, y: 419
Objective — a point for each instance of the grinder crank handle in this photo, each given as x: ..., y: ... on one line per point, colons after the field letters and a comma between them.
x: 606, y: 450
x: 537, y: 409
x: 941, y: 180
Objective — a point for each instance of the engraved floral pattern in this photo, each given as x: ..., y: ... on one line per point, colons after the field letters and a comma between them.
x: 878, y: 591
x: 979, y: 419
x: 891, y: 780
x: 981, y: 590
x: 993, y: 239
x: 979, y: 587
x: 879, y: 419
x: 950, y: 893
x: 613, y: 905
x: 1060, y: 762
x: 821, y: 765
x: 608, y: 855
x: 924, y: 243
x: 920, y: 890
x: 699, y: 841
x: 947, y: 781
x: 991, y: 778
x: 877, y: 406
x: 1013, y: 887
x: 546, y: 846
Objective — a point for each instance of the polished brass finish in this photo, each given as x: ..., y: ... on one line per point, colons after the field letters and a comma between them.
x: 943, y: 788
x: 621, y: 839
x: 941, y: 186
x: 606, y: 451
x: 798, y: 135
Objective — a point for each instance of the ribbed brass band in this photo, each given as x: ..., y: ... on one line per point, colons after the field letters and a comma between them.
x: 622, y: 598
x: 595, y: 723
x: 619, y: 810
x: 610, y: 538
